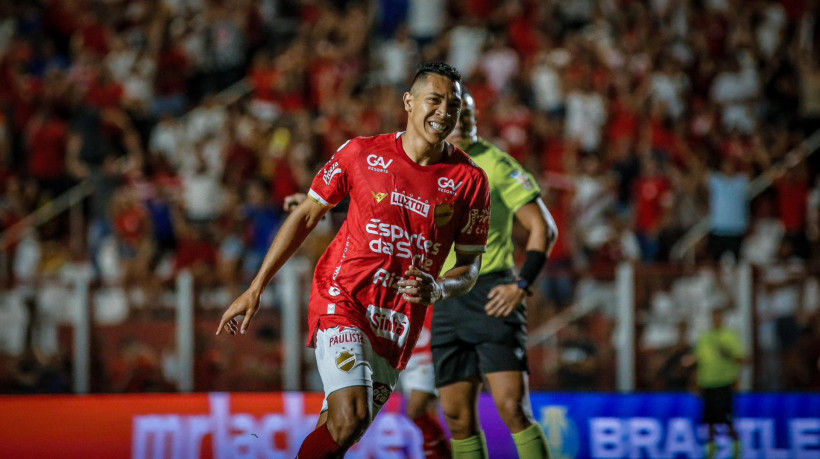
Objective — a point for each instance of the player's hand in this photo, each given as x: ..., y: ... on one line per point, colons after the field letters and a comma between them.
x: 419, y: 287
x: 292, y: 201
x: 247, y: 304
x: 504, y: 299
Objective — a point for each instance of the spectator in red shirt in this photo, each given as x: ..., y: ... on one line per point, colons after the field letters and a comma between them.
x: 792, y: 203
x: 46, y: 136
x: 170, y: 81
x: 653, y: 200
x: 196, y: 252
x: 131, y: 224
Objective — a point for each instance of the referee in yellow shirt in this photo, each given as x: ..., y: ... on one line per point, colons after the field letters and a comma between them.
x: 719, y: 354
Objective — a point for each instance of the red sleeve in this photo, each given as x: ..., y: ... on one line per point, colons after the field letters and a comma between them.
x: 332, y: 183
x: 473, y: 235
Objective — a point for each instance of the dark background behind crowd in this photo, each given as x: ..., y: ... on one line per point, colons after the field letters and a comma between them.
x: 193, y: 119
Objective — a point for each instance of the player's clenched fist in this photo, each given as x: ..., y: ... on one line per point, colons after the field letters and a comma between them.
x: 420, y: 287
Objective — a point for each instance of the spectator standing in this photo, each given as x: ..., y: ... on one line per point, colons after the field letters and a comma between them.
x: 653, y: 199
x: 792, y: 202
x: 728, y: 209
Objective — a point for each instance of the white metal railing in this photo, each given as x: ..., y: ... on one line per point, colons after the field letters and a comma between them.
x: 684, y: 247
x: 46, y: 212
x: 626, y: 322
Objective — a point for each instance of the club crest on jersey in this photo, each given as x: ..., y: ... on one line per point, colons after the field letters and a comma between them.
x: 448, y: 185
x: 442, y: 214
x: 522, y: 179
x: 331, y: 172
x: 378, y: 164
x: 379, y: 197
x: 345, y: 360
x: 410, y: 203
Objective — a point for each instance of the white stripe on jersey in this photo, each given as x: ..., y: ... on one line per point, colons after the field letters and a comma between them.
x: 343, y: 145
x: 318, y: 198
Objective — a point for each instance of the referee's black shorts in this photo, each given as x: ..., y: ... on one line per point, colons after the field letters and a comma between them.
x: 718, y: 404
x: 467, y: 343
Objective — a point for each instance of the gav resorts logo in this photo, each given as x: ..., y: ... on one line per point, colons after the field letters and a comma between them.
x: 378, y: 164
x: 561, y: 432
x: 448, y: 185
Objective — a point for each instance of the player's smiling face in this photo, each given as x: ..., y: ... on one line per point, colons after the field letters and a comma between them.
x: 433, y: 106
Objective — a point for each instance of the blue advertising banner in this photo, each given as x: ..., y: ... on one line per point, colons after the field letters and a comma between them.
x: 223, y: 425
x: 663, y: 426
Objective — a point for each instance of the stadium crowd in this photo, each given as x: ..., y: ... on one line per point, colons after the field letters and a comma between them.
x: 194, y: 119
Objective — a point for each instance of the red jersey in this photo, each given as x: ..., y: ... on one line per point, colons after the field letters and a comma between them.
x: 400, y: 214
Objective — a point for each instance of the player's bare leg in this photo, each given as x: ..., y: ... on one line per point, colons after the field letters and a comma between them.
x: 422, y: 409
x: 342, y: 425
x: 460, y: 404
x: 511, y: 396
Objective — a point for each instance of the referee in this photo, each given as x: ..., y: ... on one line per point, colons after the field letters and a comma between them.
x: 719, y: 354
x: 483, y: 333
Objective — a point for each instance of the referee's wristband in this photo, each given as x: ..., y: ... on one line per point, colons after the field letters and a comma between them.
x: 533, y: 263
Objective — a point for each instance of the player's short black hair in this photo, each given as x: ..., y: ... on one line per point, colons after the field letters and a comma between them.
x: 439, y: 68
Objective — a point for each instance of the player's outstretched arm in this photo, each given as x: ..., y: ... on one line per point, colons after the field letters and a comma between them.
x: 293, y: 232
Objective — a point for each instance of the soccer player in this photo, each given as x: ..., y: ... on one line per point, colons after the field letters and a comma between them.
x: 416, y: 380
x: 412, y: 197
x: 483, y: 333
x: 720, y: 354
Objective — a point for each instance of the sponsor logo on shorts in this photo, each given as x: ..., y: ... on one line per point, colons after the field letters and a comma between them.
x: 381, y: 392
x: 343, y: 338
x: 390, y: 324
x: 345, y: 360
x: 379, y: 197
x: 410, y: 203
x: 331, y: 172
